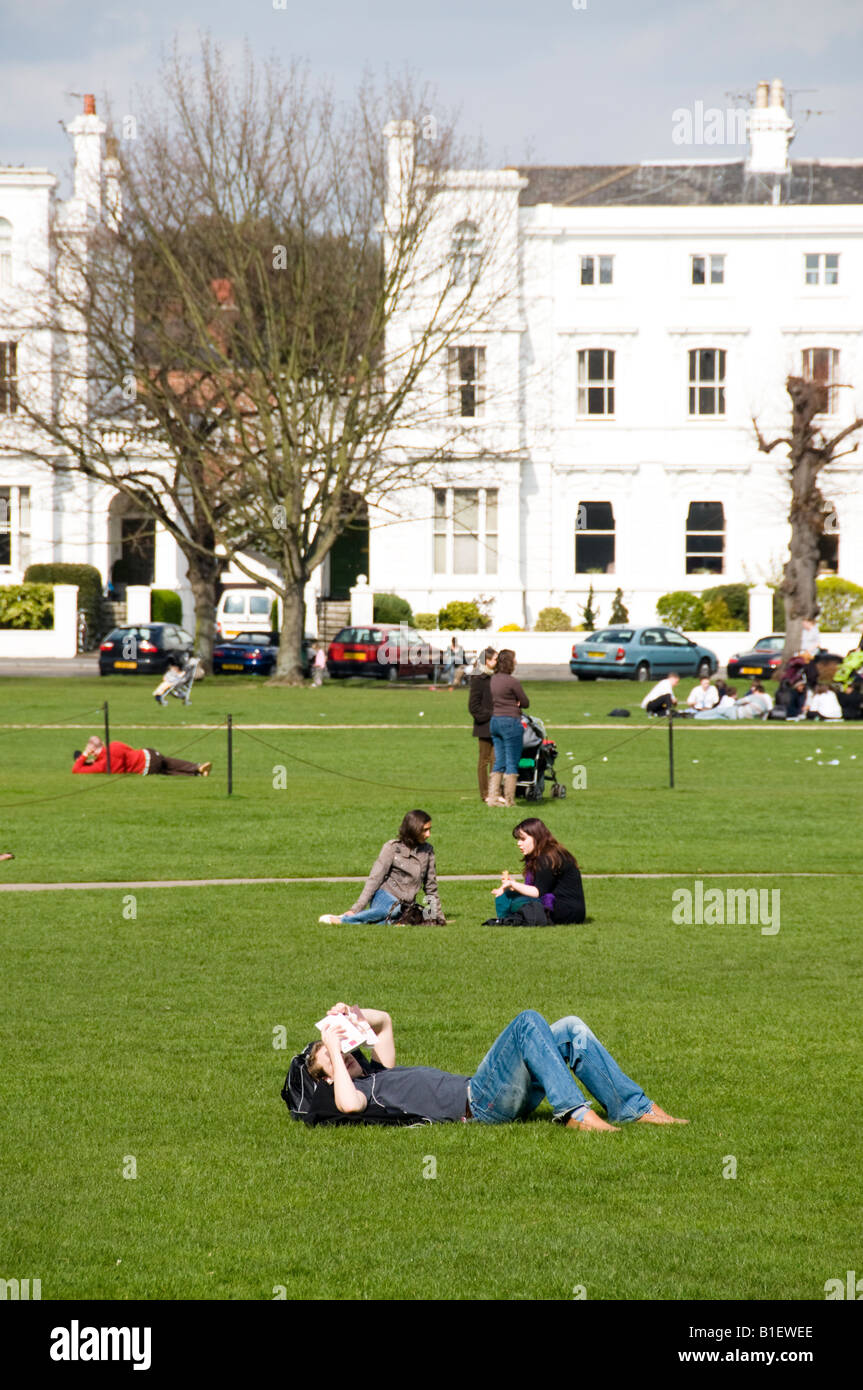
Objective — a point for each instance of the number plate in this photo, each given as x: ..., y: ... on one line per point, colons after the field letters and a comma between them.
x: 354, y: 656
x: 127, y: 665
x: 599, y: 655
x: 750, y: 670
x: 232, y: 666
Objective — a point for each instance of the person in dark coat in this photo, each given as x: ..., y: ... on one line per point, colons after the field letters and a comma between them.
x: 552, y: 893
x: 480, y: 707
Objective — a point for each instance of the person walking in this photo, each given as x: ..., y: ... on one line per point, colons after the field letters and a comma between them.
x: 508, y: 701
x: 319, y: 665
x: 480, y: 707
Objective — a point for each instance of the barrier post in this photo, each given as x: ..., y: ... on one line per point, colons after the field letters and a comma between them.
x: 670, y: 748
x: 230, y: 754
x: 107, y: 739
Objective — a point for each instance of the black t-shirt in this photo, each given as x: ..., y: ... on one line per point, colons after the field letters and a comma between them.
x: 565, y: 883
x: 399, y: 1094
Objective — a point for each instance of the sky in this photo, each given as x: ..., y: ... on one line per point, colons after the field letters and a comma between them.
x: 539, y: 81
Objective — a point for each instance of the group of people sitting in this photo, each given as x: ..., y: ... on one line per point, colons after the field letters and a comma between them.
x: 550, y: 894
x: 821, y: 685
x: 709, y: 699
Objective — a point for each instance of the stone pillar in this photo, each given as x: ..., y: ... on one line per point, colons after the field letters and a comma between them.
x: 65, y: 619
x: 362, y: 603
x: 138, y: 603
x: 760, y: 610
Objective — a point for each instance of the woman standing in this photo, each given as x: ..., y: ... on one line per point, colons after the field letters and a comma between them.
x: 507, y: 702
x: 479, y: 705
x: 552, y: 892
x: 404, y: 866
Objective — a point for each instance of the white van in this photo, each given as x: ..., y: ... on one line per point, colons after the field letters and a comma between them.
x: 246, y: 610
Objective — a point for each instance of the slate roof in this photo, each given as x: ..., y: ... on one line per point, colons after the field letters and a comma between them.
x: 664, y: 185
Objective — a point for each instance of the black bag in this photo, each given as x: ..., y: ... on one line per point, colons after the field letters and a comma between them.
x: 619, y: 714
x: 298, y: 1092
x: 778, y: 712
x: 415, y: 916
x: 531, y: 914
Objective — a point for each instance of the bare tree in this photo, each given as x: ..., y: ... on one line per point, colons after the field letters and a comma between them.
x: 810, y: 453
x: 243, y: 345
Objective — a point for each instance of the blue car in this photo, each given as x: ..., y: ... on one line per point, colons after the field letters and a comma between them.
x: 257, y: 652
x: 640, y: 653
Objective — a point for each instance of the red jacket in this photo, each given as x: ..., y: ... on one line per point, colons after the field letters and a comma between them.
x: 123, y: 759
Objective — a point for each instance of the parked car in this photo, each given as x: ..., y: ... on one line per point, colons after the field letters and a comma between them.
x: 640, y: 653
x: 385, y: 651
x: 246, y: 610
x: 249, y: 651
x: 762, y: 661
x: 146, y: 648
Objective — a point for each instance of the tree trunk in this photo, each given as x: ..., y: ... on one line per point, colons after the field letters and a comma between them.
x: 203, y: 573
x: 289, y: 666
x: 807, y: 512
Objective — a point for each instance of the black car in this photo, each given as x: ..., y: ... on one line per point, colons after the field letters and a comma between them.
x: 145, y: 648
x: 256, y: 652
x: 762, y: 662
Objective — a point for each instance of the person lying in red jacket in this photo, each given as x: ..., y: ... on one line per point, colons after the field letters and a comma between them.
x: 146, y: 761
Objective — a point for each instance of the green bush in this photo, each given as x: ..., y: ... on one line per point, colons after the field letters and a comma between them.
x: 736, y: 599
x: 552, y: 620
x: 165, y: 606
x: 681, y: 609
x: 463, y: 616
x: 619, y: 610
x: 841, y: 604
x: 389, y: 608
x: 778, y: 611
x: 425, y: 620
x: 89, y: 582
x: 717, y: 617
x: 27, y: 606
x: 589, y: 614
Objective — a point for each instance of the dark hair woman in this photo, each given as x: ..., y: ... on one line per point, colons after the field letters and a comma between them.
x: 507, y: 702
x: 552, y: 892
x: 404, y: 866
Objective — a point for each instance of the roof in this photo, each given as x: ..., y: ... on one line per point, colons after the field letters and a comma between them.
x: 697, y: 184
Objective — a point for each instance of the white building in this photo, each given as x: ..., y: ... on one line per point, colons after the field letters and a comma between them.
x: 607, y: 407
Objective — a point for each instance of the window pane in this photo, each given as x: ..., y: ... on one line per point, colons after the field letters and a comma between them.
x: 466, y: 510
x: 587, y: 270
x: 596, y: 401
x: 717, y: 270
x: 698, y: 270
x: 491, y: 510
x: 698, y: 563
x: 705, y: 516
x: 439, y: 508
x: 706, y: 400
x: 705, y: 545
x: 594, y: 553
x: 605, y: 269
x: 491, y: 555
x: 440, y: 554
x: 464, y: 555
x: 831, y: 270
x: 812, y: 269
x: 235, y: 603
x: 259, y: 605
x: 595, y: 364
x: 596, y: 516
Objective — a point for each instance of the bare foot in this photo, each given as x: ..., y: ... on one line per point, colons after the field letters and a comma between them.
x: 657, y: 1116
x: 589, y: 1120
x: 7, y: 856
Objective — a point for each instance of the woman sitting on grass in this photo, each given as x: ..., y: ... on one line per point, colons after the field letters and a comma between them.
x: 552, y: 892
x: 403, y: 867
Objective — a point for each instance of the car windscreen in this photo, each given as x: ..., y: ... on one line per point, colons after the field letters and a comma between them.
x: 769, y: 644
x: 613, y: 634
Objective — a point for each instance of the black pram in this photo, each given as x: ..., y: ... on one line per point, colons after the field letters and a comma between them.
x: 538, y: 755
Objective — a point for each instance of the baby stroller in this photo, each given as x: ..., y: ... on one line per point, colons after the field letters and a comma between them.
x: 538, y: 755
x: 178, y: 680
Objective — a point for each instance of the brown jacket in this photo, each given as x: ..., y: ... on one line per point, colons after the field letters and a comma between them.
x: 402, y: 871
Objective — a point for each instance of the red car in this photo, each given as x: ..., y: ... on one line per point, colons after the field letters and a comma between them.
x: 385, y: 651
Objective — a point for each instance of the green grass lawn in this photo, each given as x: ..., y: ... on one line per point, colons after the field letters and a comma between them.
x: 151, y: 1037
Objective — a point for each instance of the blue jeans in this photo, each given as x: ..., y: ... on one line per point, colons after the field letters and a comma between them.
x: 382, y: 908
x: 510, y: 901
x: 532, y: 1059
x: 507, y: 736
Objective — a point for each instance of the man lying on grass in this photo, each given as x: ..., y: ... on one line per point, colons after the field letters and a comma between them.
x: 530, y: 1060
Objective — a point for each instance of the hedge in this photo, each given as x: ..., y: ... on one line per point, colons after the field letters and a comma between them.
x: 389, y: 608
x: 463, y: 616
x: 89, y: 582
x: 29, y: 606
x: 552, y: 620
x: 165, y: 606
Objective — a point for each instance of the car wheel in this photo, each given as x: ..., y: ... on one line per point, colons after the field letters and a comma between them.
x: 643, y: 672
x: 703, y: 669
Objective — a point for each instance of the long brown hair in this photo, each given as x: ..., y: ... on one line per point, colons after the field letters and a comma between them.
x: 545, y: 846
x: 505, y: 662
x: 411, y: 829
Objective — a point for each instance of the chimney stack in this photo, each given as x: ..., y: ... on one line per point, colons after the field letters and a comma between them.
x: 89, y: 104
x: 770, y: 130
x: 87, y: 131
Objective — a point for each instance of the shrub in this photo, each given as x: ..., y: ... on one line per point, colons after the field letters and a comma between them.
x: 89, y: 582
x: 552, y: 620
x: 681, y: 609
x: 27, y: 606
x: 619, y: 610
x: 717, y: 617
x: 511, y: 627
x: 463, y: 616
x: 425, y: 620
x: 589, y: 614
x: 389, y: 608
x: 841, y: 604
x: 736, y: 599
x: 165, y: 606
x: 778, y: 610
